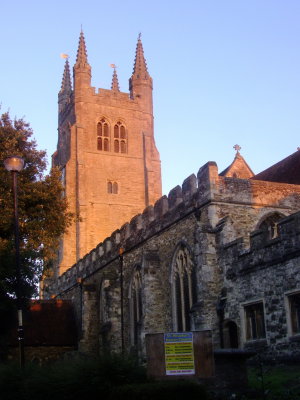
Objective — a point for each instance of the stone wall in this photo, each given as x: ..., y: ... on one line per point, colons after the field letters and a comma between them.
x: 268, y: 272
x: 206, y: 215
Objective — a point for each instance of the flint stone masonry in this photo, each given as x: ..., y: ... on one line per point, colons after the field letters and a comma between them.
x: 216, y: 218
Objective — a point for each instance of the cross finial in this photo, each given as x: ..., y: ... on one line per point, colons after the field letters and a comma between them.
x: 237, y: 148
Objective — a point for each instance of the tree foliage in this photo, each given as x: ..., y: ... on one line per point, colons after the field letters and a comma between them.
x: 43, y: 213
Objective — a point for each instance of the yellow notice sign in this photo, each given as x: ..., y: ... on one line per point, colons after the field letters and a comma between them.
x: 179, y: 353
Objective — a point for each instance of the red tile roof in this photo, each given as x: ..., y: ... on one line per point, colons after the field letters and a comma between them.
x: 285, y: 171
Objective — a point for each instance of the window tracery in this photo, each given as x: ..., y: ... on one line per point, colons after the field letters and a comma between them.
x: 120, y: 138
x: 103, y: 135
x: 184, y: 289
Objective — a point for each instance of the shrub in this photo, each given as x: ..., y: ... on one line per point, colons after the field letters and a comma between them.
x: 175, y: 390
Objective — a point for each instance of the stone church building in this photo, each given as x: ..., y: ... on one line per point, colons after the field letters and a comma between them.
x: 221, y: 252
x: 107, y: 153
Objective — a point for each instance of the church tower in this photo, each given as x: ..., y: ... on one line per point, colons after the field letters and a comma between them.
x: 106, y: 151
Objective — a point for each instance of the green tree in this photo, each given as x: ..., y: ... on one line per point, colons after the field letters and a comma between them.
x: 43, y: 212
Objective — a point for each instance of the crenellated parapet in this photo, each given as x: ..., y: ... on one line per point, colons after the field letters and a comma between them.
x: 208, y: 188
x: 264, y: 252
x: 180, y: 202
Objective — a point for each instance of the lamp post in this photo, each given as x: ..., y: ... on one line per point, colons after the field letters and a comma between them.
x: 121, y: 251
x: 15, y: 164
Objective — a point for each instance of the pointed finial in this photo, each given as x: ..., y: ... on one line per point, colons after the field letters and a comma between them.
x: 81, y: 59
x: 66, y: 86
x: 140, y: 65
x: 140, y: 35
x: 237, y: 148
x: 115, y: 82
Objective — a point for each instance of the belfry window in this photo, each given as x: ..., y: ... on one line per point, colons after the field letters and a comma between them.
x: 120, y: 138
x: 103, y: 135
x: 184, y: 289
x: 136, y: 310
x: 112, y: 187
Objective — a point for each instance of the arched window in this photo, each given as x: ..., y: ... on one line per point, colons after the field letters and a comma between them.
x: 120, y: 138
x: 103, y: 136
x: 184, y: 288
x: 112, y: 187
x: 136, y: 306
x: 270, y: 225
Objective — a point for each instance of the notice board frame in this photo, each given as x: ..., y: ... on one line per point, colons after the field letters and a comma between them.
x: 203, y: 355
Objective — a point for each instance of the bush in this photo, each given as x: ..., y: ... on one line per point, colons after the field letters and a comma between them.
x: 112, y: 378
x: 71, y: 380
x: 175, y: 390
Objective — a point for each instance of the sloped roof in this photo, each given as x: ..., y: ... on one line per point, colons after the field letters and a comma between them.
x: 48, y: 323
x: 285, y: 171
x: 238, y: 168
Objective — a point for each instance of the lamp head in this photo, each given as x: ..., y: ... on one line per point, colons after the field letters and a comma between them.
x: 14, y: 163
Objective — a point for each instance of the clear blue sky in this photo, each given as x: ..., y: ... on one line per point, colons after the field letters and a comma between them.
x: 224, y: 72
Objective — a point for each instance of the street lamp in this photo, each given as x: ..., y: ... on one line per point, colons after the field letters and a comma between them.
x: 15, y: 164
x: 121, y: 251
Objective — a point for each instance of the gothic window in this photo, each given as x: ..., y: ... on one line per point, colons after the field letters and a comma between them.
x: 184, y: 289
x: 136, y: 310
x: 103, y: 136
x: 112, y: 187
x: 294, y: 311
x: 254, y: 320
x: 120, y: 138
x: 270, y: 225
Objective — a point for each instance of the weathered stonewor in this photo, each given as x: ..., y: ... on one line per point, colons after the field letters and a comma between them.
x: 140, y: 228
x: 179, y: 202
x: 208, y: 223
x: 267, y: 272
x: 106, y: 151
